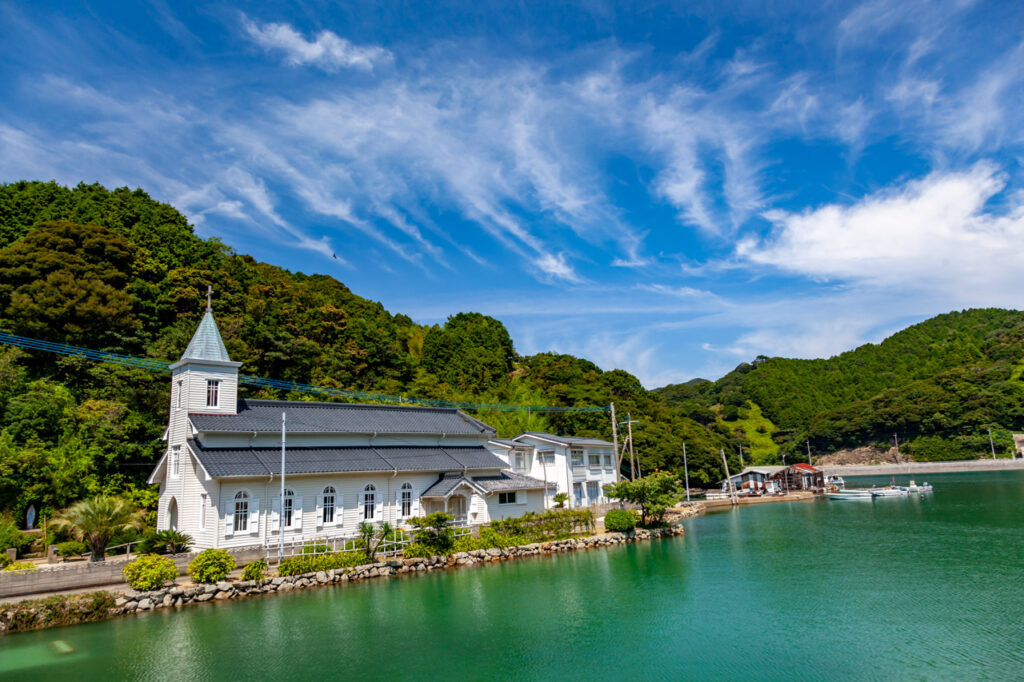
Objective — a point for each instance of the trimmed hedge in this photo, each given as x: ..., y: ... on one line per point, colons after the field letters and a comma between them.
x: 211, y: 566
x: 619, y: 521
x: 149, y: 572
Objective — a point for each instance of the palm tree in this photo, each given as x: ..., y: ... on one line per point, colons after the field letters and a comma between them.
x: 97, y: 520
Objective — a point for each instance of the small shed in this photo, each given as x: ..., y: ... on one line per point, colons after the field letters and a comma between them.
x: 800, y: 476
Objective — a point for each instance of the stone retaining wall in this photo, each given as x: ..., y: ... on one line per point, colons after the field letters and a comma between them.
x: 177, y: 596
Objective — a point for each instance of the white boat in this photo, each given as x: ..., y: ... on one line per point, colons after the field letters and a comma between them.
x: 849, y: 495
x: 889, y: 492
x: 923, y: 488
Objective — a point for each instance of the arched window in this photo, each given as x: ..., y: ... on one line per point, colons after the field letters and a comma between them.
x: 328, y: 505
x: 174, y: 466
x: 172, y: 514
x: 288, y: 508
x: 241, y: 511
x: 369, y: 502
x: 405, y: 500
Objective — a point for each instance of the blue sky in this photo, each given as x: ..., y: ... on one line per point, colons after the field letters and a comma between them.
x: 669, y: 188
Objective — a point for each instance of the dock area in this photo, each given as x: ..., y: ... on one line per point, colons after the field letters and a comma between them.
x: 795, y: 496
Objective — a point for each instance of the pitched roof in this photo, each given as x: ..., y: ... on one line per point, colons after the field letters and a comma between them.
x: 314, y: 417
x: 206, y: 343
x: 566, y: 440
x: 509, y: 480
x: 446, y: 484
x: 235, y: 462
x: 803, y: 466
x: 509, y: 443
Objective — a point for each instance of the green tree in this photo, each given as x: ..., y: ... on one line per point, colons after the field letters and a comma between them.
x: 654, y: 493
x: 95, y: 521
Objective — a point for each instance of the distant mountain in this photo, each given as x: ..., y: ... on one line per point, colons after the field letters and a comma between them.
x: 940, y: 385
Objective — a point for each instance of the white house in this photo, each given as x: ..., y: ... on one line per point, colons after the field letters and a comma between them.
x: 345, y: 463
x: 578, y: 466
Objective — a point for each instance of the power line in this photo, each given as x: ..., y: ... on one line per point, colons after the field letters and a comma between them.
x: 163, y: 366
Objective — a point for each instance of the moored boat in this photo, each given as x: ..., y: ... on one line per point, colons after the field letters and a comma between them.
x: 849, y: 495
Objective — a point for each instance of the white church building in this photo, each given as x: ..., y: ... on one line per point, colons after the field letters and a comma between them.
x: 345, y: 463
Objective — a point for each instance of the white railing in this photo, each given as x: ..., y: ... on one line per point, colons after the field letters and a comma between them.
x: 391, y: 546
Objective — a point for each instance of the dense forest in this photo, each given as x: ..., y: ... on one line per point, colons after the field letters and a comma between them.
x: 118, y: 271
x: 115, y: 270
x: 938, y: 386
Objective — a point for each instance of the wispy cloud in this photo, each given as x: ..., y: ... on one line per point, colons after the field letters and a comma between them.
x: 934, y: 234
x: 327, y: 50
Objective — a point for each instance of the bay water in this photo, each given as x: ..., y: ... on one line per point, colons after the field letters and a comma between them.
x: 924, y: 587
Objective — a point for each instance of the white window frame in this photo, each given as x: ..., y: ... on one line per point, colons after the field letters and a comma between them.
x: 241, y: 512
x: 213, y: 392
x: 596, y: 486
x: 591, y: 456
x: 508, y: 497
x: 202, y: 511
x: 405, y: 501
x: 576, y: 459
x: 288, y: 509
x: 174, y: 462
x: 181, y: 389
x: 577, y: 499
x: 369, y: 502
x: 547, y: 457
x: 609, y: 461
x: 329, y: 503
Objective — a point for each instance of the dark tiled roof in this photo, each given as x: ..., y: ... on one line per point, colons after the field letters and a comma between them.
x: 227, y: 462
x: 444, y: 485
x: 311, y: 417
x: 568, y: 440
x: 509, y: 480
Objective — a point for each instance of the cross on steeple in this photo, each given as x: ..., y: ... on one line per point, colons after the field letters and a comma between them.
x: 209, y: 298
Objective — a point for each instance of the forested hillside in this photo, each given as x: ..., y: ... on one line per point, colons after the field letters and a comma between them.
x: 940, y: 385
x: 118, y: 271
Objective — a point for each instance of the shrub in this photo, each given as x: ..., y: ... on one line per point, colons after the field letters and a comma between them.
x: 619, y: 521
x: 211, y: 565
x: 166, y: 542
x: 435, y: 531
x: 149, y: 572
x: 62, y: 609
x: 417, y: 550
x: 554, y: 524
x: 10, y: 536
x: 19, y: 566
x: 310, y: 563
x: 72, y: 548
x: 256, y: 570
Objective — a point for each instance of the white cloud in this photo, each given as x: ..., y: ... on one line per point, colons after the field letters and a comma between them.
x: 328, y: 50
x: 932, y: 235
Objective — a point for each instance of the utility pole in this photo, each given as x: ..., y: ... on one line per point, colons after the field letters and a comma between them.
x: 896, y: 437
x: 686, y: 472
x: 728, y: 479
x: 629, y: 441
x: 615, y: 445
x: 632, y: 457
x: 991, y: 444
x: 809, y: 452
x: 280, y: 513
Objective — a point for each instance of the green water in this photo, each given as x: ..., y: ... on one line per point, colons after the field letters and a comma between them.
x: 906, y: 588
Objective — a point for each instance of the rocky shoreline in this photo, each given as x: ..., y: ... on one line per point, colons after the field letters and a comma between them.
x: 38, y: 615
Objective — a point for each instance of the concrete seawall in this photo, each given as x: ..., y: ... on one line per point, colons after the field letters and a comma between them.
x: 925, y: 467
